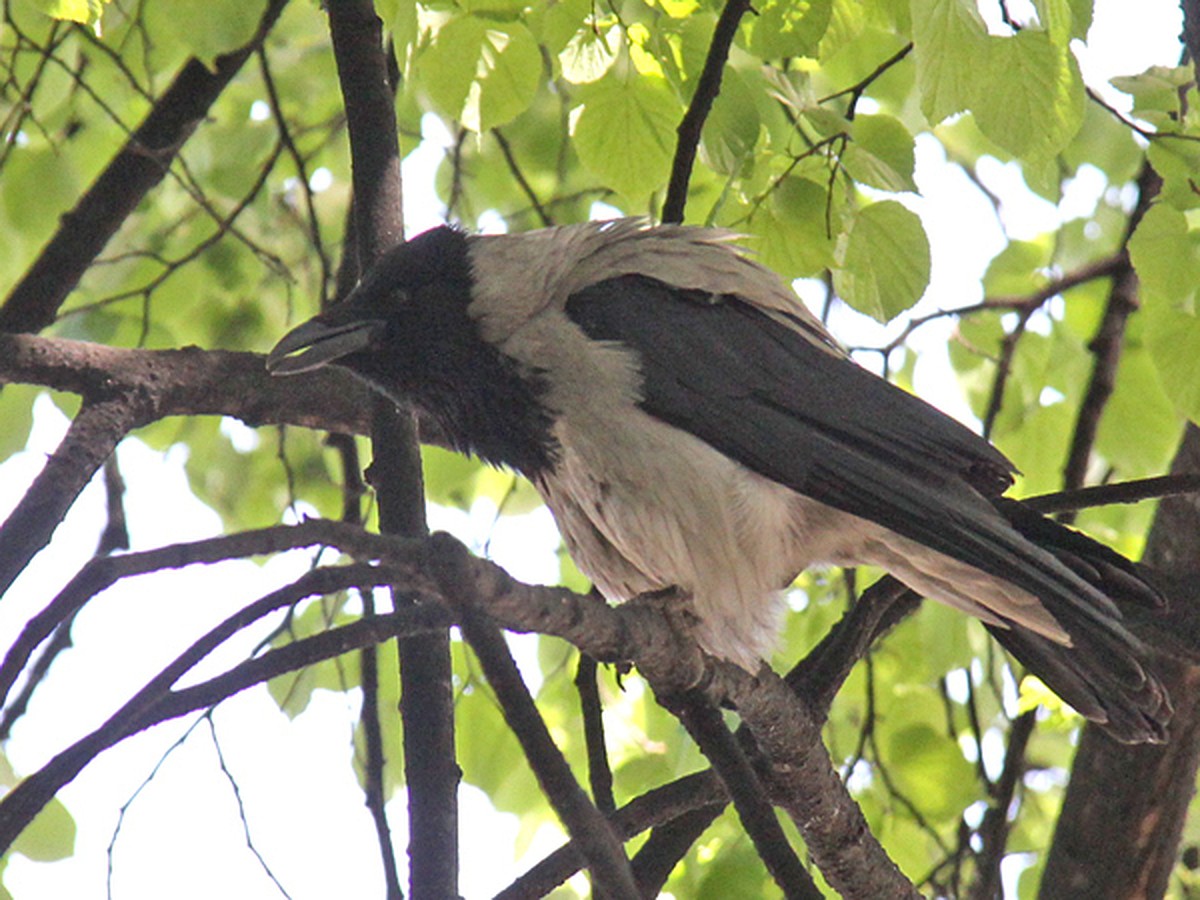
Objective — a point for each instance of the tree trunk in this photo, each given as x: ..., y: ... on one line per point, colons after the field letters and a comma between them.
x: 1124, y: 811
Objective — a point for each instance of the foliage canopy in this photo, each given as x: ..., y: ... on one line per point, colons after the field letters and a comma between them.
x: 821, y: 129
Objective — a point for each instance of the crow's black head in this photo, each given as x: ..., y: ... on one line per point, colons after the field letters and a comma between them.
x: 407, y: 331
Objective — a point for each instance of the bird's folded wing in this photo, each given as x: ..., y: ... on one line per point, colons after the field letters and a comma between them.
x: 774, y: 398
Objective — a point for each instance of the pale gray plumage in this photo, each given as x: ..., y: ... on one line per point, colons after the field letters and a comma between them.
x: 692, y: 426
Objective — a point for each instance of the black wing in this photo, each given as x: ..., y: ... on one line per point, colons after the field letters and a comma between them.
x: 771, y: 397
x: 764, y: 394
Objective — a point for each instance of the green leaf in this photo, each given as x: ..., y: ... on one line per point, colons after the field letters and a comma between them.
x: 480, y: 72
x: 208, y: 28
x: 85, y: 12
x: 1157, y: 88
x: 731, y: 130
x: 949, y: 41
x: 1140, y: 428
x: 589, y: 55
x: 929, y: 765
x: 510, y: 68
x: 1018, y: 269
x: 1174, y: 340
x: 16, y: 412
x: 881, y: 153
x: 1058, y: 19
x: 637, y: 112
x: 1030, y: 99
x: 38, y: 186
x: 790, y: 233
x: 883, y: 263
x: 50, y: 836
x: 787, y: 28
x: 1166, y: 254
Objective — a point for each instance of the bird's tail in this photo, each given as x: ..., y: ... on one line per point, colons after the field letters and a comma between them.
x: 1104, y: 674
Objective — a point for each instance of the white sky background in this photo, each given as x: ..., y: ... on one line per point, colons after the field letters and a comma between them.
x: 182, y: 837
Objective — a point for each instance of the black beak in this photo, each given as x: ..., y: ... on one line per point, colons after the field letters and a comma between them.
x: 316, y: 343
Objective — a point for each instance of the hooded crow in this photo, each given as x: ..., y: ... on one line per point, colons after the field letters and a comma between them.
x: 693, y: 427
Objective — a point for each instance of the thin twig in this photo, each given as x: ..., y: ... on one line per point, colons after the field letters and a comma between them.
x: 708, y: 86
x: 600, y: 776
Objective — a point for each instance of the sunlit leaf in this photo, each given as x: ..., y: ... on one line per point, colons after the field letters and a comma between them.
x: 622, y: 113
x: 50, y: 836
x: 1040, y: 106
x: 883, y: 263
x: 949, y: 41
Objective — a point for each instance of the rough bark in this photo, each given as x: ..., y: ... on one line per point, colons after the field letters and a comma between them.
x: 1124, y: 811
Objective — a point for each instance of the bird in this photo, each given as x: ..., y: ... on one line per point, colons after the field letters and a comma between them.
x: 695, y: 429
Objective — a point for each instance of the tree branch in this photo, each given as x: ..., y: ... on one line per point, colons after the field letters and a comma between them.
x: 588, y: 827
x: 187, y: 382
x: 1119, y: 836
x: 90, y: 440
x: 155, y: 702
x: 1107, y: 345
x: 708, y: 86
x: 426, y: 695
x: 116, y: 193
x: 600, y: 777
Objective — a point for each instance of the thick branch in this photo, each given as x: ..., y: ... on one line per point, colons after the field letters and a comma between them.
x: 188, y: 382
x: 1117, y: 837
x: 426, y: 694
x: 116, y: 193
x: 798, y: 772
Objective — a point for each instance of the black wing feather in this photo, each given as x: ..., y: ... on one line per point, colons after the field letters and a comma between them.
x: 774, y: 398
x: 764, y: 394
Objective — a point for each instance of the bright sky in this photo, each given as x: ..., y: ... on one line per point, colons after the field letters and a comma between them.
x: 182, y: 837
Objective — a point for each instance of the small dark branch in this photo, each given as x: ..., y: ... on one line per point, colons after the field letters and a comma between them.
x: 522, y: 182
x: 89, y: 441
x: 102, y: 572
x: 856, y: 91
x: 901, y: 798
x: 1103, y: 268
x: 668, y: 844
x: 1147, y: 133
x: 115, y: 535
x: 589, y: 829
x: 225, y: 225
x: 132, y: 173
x: 374, y: 763
x: 456, y: 176
x: 803, y: 781
x: 993, y: 831
x: 656, y: 808
x: 708, y: 86
x: 704, y: 723
x: 155, y: 702
x: 426, y: 705
x: 241, y: 808
x: 1008, y: 350
x: 353, y: 486
x: 1107, y: 345
x: 820, y: 675
x: 298, y: 160
x: 188, y: 382
x: 59, y: 641
x: 362, y: 70
x: 600, y: 776
x: 1121, y: 492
